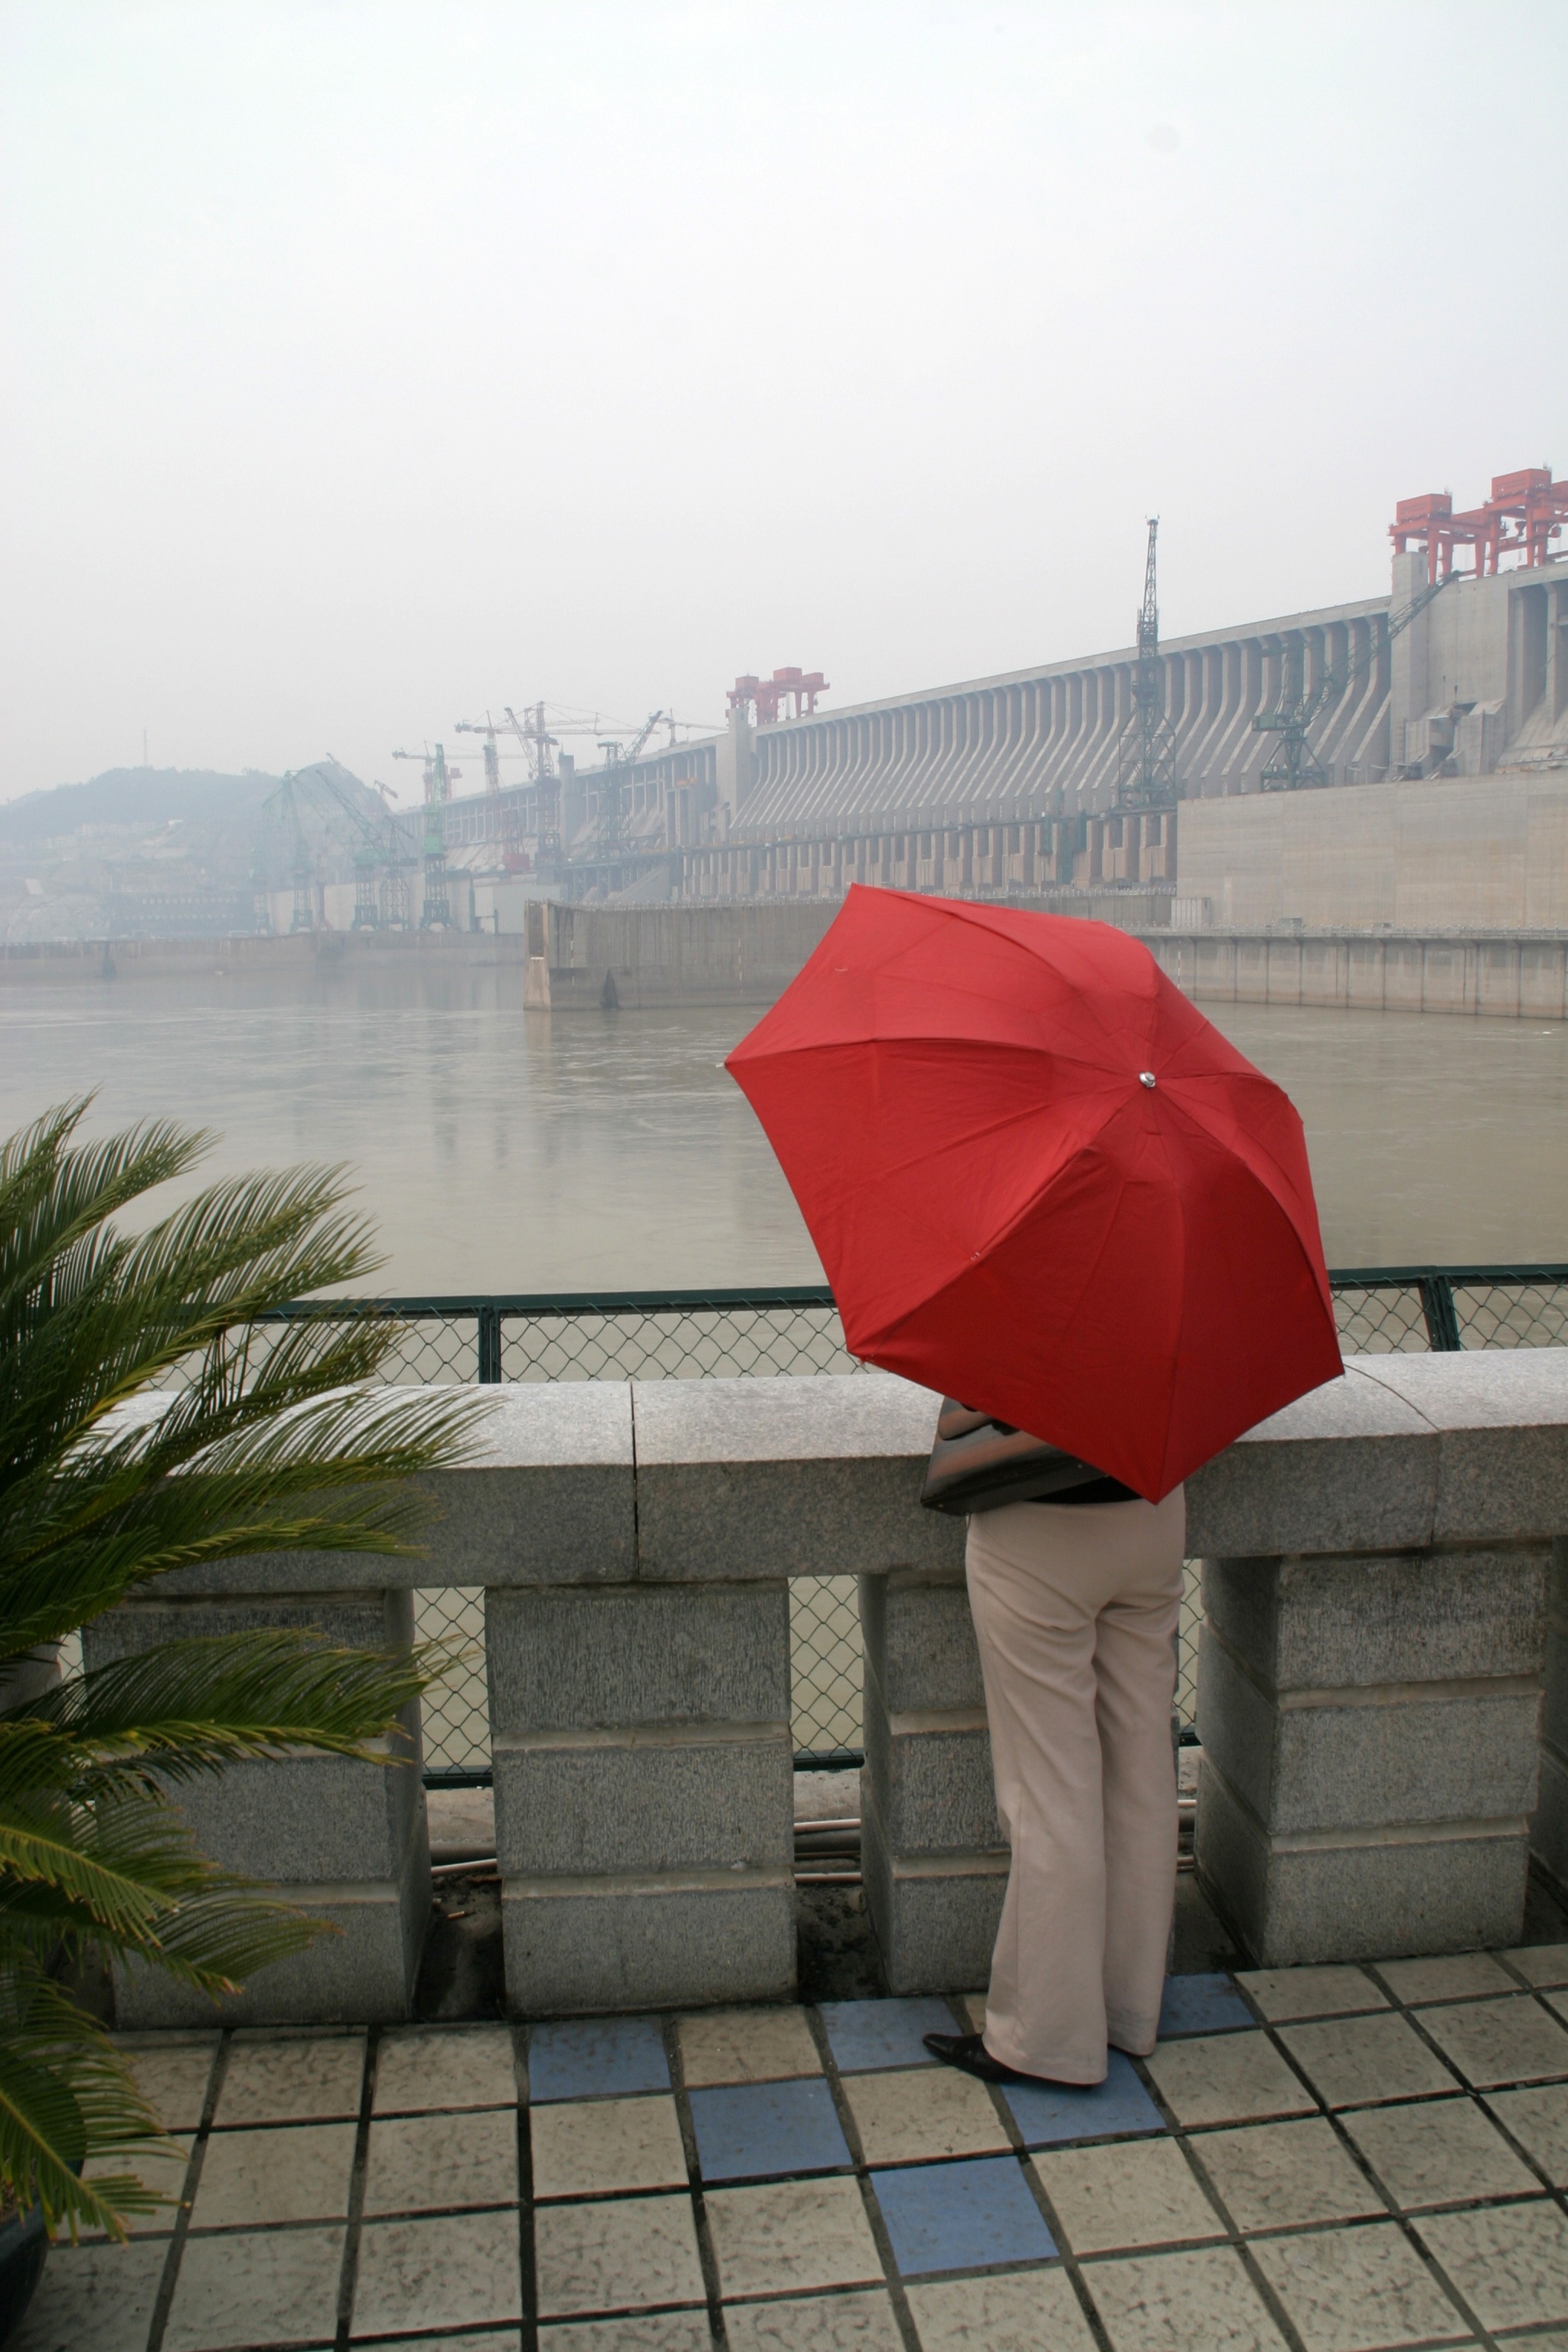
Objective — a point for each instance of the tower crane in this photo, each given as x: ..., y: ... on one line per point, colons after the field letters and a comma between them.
x: 435, y: 911
x: 619, y: 765
x: 282, y: 803
x: 1293, y: 764
x: 504, y: 815
x: 540, y: 739
x: 375, y: 846
x: 1146, y: 749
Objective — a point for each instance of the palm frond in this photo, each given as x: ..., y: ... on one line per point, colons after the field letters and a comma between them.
x: 124, y: 1874
x: 66, y: 2096
x: 150, y: 1422
x: 194, y: 1705
x: 328, y: 1475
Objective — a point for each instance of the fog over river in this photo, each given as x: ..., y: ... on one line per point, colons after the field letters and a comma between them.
x: 505, y: 1152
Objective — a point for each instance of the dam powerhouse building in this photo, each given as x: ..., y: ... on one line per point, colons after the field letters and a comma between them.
x: 1431, y: 786
x: 1435, y: 765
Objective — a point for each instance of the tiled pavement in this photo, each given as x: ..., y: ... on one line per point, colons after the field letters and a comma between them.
x: 1337, y: 2159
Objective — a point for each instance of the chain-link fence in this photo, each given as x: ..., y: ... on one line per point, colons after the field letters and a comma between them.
x: 768, y: 1333
x: 456, y: 1714
x: 1408, y: 1310
x: 1187, y: 1643
x: 1381, y: 1320
x: 727, y: 1341
x: 1512, y: 1314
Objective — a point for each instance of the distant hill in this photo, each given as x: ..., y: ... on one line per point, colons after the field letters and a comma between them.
x: 135, y: 796
x: 152, y: 795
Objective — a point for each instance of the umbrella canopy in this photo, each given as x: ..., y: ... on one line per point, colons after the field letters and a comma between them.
x: 1038, y: 1179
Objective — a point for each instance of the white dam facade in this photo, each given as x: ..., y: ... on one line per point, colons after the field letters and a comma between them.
x: 1014, y: 785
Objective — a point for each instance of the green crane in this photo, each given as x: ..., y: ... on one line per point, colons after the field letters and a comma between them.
x: 381, y: 892
x: 1293, y: 764
x: 435, y: 911
x: 283, y: 804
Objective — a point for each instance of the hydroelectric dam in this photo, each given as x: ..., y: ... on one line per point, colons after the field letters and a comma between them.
x: 1400, y: 760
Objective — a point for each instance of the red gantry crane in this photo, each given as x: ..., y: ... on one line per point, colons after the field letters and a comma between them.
x: 1525, y: 512
x: 768, y: 694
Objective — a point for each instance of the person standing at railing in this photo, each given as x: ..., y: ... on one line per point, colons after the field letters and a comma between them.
x: 1075, y: 1586
x: 1039, y: 1180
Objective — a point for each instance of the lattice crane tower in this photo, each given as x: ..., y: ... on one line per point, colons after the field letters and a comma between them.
x: 1146, y: 749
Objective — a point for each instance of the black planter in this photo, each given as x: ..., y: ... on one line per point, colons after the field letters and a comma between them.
x: 23, y: 2247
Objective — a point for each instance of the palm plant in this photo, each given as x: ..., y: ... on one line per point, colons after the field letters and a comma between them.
x: 147, y: 1424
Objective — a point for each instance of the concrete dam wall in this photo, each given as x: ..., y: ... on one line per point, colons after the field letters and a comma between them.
x: 1459, y: 854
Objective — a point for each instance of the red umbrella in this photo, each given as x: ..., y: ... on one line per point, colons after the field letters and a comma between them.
x: 1039, y: 1180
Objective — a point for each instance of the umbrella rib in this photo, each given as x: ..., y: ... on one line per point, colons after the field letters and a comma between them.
x: 996, y: 1239
x: 1195, y: 1111
x: 812, y: 1047
x: 948, y: 913
x: 974, y: 1135
x: 1032, y: 954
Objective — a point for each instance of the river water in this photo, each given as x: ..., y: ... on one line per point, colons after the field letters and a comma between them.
x: 500, y: 1150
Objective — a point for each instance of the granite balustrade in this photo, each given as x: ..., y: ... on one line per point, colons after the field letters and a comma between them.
x: 1383, y: 1691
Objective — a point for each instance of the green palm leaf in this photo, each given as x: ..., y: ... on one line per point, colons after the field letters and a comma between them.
x: 149, y: 1422
x: 66, y: 2097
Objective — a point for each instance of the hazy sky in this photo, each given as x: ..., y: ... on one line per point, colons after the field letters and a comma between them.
x: 363, y: 365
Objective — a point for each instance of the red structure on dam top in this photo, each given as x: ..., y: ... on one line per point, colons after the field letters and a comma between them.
x: 1523, y: 515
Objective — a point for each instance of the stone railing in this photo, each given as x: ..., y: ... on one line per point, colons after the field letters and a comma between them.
x: 1382, y: 1623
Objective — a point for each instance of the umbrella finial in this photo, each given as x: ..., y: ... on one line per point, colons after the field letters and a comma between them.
x: 1145, y: 1077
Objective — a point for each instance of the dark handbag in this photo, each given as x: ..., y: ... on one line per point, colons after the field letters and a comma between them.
x: 978, y: 1465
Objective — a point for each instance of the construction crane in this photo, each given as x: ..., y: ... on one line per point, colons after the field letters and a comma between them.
x: 436, y: 909
x: 1294, y: 765
x: 317, y: 791
x: 618, y: 764
x: 504, y: 815
x: 540, y: 739
x: 381, y: 882
x: 283, y: 803
x: 1145, y: 746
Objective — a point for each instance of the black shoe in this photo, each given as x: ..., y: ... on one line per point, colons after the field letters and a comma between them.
x: 968, y: 2052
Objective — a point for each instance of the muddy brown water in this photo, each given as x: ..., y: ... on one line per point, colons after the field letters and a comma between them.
x: 505, y: 1152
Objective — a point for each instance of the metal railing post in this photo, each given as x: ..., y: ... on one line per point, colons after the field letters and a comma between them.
x: 1437, y: 1305
x: 489, y: 1322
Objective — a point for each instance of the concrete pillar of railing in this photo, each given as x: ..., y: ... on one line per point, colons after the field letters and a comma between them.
x: 639, y: 1729
x: 643, y: 1783
x: 932, y: 1855
x: 1370, y: 1681
x: 341, y: 1841
x: 1549, y: 1834
x: 759, y: 1480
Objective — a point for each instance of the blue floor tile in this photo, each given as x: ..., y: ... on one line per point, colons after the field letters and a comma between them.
x: 962, y: 2217
x: 867, y: 2035
x: 1057, y: 2112
x: 596, y: 2058
x: 1206, y: 2004
x: 750, y: 2131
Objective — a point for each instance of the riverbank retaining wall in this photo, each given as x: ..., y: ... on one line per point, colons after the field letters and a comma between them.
x: 576, y: 959
x: 1522, y: 976
x: 62, y: 962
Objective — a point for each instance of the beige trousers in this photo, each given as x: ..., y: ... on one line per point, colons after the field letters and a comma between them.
x: 1075, y: 1610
